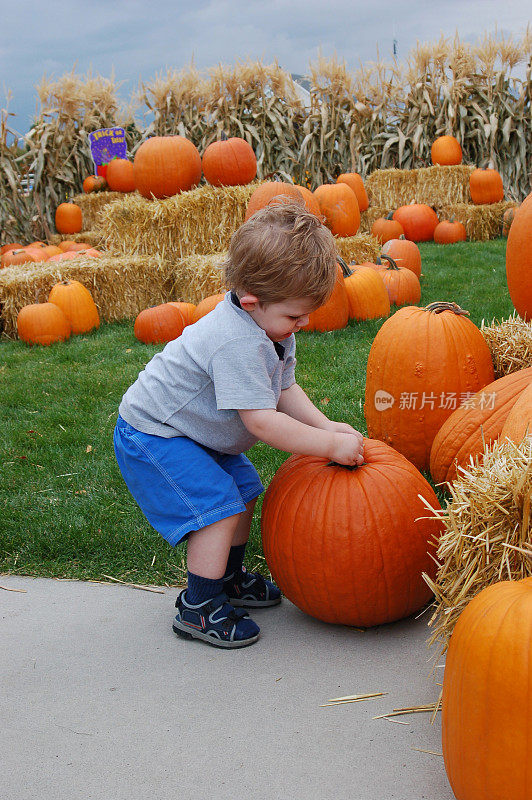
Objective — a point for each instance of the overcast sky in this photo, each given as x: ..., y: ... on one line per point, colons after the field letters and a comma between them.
x: 139, y: 38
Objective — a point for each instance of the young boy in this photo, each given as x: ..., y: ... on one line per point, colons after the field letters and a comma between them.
x: 225, y: 383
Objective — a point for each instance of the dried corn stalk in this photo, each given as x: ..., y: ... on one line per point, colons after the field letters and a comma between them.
x: 15, y: 207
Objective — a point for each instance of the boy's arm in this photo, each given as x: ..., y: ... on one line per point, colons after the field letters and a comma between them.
x: 295, y: 402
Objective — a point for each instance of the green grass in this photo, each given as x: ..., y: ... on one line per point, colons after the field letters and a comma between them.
x: 64, y: 508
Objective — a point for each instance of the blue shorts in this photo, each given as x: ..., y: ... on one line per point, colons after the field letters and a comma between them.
x: 180, y: 485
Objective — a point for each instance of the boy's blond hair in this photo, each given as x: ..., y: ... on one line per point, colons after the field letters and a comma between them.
x: 283, y: 251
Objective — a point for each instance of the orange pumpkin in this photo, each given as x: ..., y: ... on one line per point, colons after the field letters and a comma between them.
x: 386, y: 228
x: 311, y: 204
x: 449, y: 232
x: 405, y: 253
x: 38, y: 252
x: 339, y: 205
x: 51, y: 250
x: 206, y: 305
x: 272, y: 192
x: 486, y: 700
x: 186, y: 309
x: 42, y: 323
x: 7, y: 247
x: 349, y: 546
x: 366, y: 294
x: 120, y: 175
x: 446, y: 151
x: 485, y: 186
x: 401, y: 284
x: 418, y: 220
x: 166, y: 165
x: 69, y: 246
x: 518, y: 262
x: 334, y: 313
x: 507, y: 219
x: 355, y: 182
x: 68, y: 218
x: 419, y: 359
x: 15, y: 257
x: 76, y: 303
x: 229, y: 162
x: 162, y: 323
x: 518, y: 423
x: 94, y: 183
x: 479, y: 421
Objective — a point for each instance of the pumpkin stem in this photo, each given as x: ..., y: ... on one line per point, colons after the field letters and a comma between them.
x: 389, y: 216
x: 350, y: 467
x: 442, y: 305
x: 345, y: 269
x: 392, y: 264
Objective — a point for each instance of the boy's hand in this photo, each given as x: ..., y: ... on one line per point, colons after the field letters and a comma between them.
x: 347, y: 447
x: 342, y: 427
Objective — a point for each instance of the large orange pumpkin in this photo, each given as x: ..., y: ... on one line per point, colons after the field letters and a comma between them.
x: 519, y: 260
x: 418, y: 220
x: 166, y: 165
x: 159, y: 324
x: 405, y: 253
x: 419, y: 360
x: 206, y: 305
x: 479, y: 420
x: 42, y: 323
x: 366, y: 294
x: 68, y: 218
x: 386, y: 228
x: 76, y: 303
x: 485, y: 186
x: 121, y: 175
x: 229, y: 162
x: 334, y: 313
x: 349, y: 545
x: 355, y: 182
x: 446, y: 151
x: 339, y: 205
x: 402, y: 285
x: 487, y: 700
x: 518, y: 423
x: 272, y: 192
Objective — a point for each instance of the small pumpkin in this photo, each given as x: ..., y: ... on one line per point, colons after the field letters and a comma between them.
x: 229, y: 162
x: 334, y: 313
x: 187, y: 310
x: 485, y: 186
x: 405, y: 253
x: 42, y: 323
x: 7, y: 247
x: 68, y: 246
x: 51, y: 250
x: 507, y: 219
x: 38, y: 252
x: 446, y: 151
x: 206, y: 305
x: 159, y: 324
x: 94, y: 183
x: 355, y: 182
x: 339, y: 206
x: 76, y: 303
x: 401, y: 284
x: 120, y: 175
x: 449, y: 232
x: 386, y: 228
x: 68, y: 218
x: 419, y: 221
x: 166, y: 165
x: 366, y: 293
x: 15, y: 257
x: 272, y: 192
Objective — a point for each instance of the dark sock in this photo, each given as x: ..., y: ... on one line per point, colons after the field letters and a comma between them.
x: 200, y: 589
x: 235, y: 560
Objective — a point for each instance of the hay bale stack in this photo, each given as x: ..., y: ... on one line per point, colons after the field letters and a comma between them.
x: 368, y: 217
x: 121, y: 287
x: 435, y: 186
x: 198, y: 276
x: 359, y: 248
x: 510, y: 344
x: 481, y: 222
x: 91, y: 204
x: 391, y: 188
x: 200, y: 221
x: 94, y: 238
x: 488, y: 529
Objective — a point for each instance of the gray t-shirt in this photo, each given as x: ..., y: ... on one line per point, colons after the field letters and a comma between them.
x: 194, y: 387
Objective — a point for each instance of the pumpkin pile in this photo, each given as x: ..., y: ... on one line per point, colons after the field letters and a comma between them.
x: 37, y: 252
x: 70, y: 310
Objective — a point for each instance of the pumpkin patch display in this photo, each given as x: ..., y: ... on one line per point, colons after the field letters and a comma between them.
x: 159, y: 324
x: 42, y: 323
x: 206, y: 305
x: 386, y: 228
x: 405, y: 253
x: 272, y: 192
x: 485, y: 186
x: 418, y: 220
x: 421, y: 363
x: 229, y: 162
x: 402, y: 284
x: 486, y: 699
x: 68, y: 218
x: 349, y: 545
x: 339, y: 206
x: 76, y: 303
x: 120, y: 175
x: 166, y: 165
x: 518, y: 261
x: 366, y: 294
x: 334, y: 313
x: 449, y: 232
x: 355, y: 182
x: 446, y: 151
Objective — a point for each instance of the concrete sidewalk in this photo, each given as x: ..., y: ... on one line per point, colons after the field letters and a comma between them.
x: 100, y: 700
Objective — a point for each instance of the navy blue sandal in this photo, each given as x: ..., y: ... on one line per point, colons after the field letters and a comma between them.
x: 214, y: 621
x: 251, y: 590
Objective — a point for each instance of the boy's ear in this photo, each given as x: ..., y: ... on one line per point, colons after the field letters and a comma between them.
x: 249, y: 302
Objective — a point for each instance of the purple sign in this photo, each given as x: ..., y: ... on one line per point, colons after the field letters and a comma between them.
x: 106, y: 144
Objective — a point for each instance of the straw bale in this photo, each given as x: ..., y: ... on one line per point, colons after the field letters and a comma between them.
x: 199, y: 221
x: 92, y: 203
x: 481, y: 222
x: 121, y: 287
x: 198, y: 276
x: 439, y: 185
x: 94, y: 237
x: 368, y: 217
x: 487, y: 531
x: 392, y: 187
x: 359, y: 248
x: 510, y: 344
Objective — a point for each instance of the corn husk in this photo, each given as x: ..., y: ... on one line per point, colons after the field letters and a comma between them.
x: 482, y: 222
x: 510, y: 344
x: 487, y: 531
x: 121, y: 286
